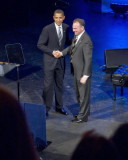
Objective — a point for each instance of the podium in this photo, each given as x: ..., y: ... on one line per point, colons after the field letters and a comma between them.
x: 15, y: 56
x: 36, y: 119
x: 35, y: 114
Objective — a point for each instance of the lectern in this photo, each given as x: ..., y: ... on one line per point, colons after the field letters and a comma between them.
x: 15, y: 56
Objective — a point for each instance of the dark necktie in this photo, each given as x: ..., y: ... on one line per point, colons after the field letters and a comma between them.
x: 73, y: 44
x: 59, y: 35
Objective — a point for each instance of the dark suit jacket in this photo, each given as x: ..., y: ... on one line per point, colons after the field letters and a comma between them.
x: 81, y: 57
x: 48, y: 41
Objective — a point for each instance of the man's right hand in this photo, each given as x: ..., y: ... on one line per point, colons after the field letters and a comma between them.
x: 57, y: 54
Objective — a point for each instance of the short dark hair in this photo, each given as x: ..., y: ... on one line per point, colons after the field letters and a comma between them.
x: 58, y: 11
x: 120, y: 139
x: 94, y: 146
x: 80, y: 21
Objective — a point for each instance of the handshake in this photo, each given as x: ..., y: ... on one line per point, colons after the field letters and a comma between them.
x: 57, y: 54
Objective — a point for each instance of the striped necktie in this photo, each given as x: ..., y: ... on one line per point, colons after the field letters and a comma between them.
x: 59, y: 35
x: 73, y: 44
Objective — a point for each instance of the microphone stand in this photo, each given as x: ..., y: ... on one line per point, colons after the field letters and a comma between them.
x: 18, y: 82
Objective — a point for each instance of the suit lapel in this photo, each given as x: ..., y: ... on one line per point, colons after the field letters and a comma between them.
x: 55, y: 33
x: 64, y: 35
x: 78, y: 43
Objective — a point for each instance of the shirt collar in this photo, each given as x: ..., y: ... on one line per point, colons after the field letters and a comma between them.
x: 78, y: 37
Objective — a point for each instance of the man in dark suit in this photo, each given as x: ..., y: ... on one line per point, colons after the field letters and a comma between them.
x: 81, y: 59
x: 53, y: 37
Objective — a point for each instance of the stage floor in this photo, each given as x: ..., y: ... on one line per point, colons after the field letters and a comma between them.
x: 106, y: 115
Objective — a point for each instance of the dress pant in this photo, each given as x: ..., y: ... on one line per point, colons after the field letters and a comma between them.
x: 83, y: 98
x: 53, y: 86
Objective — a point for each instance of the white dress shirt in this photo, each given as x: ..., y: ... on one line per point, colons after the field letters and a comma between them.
x: 79, y: 36
x: 57, y: 29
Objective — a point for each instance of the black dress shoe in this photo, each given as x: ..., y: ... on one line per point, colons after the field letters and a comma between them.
x: 75, y: 116
x: 47, y: 110
x: 76, y: 120
x: 47, y: 115
x: 61, y: 111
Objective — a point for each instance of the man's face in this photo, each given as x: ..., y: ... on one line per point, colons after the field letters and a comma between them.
x: 77, y: 28
x: 58, y: 18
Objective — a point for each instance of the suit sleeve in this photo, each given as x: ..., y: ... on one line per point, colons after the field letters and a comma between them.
x: 66, y: 51
x: 43, y: 41
x: 87, y: 51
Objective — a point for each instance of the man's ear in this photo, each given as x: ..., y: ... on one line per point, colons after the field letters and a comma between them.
x: 63, y: 17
